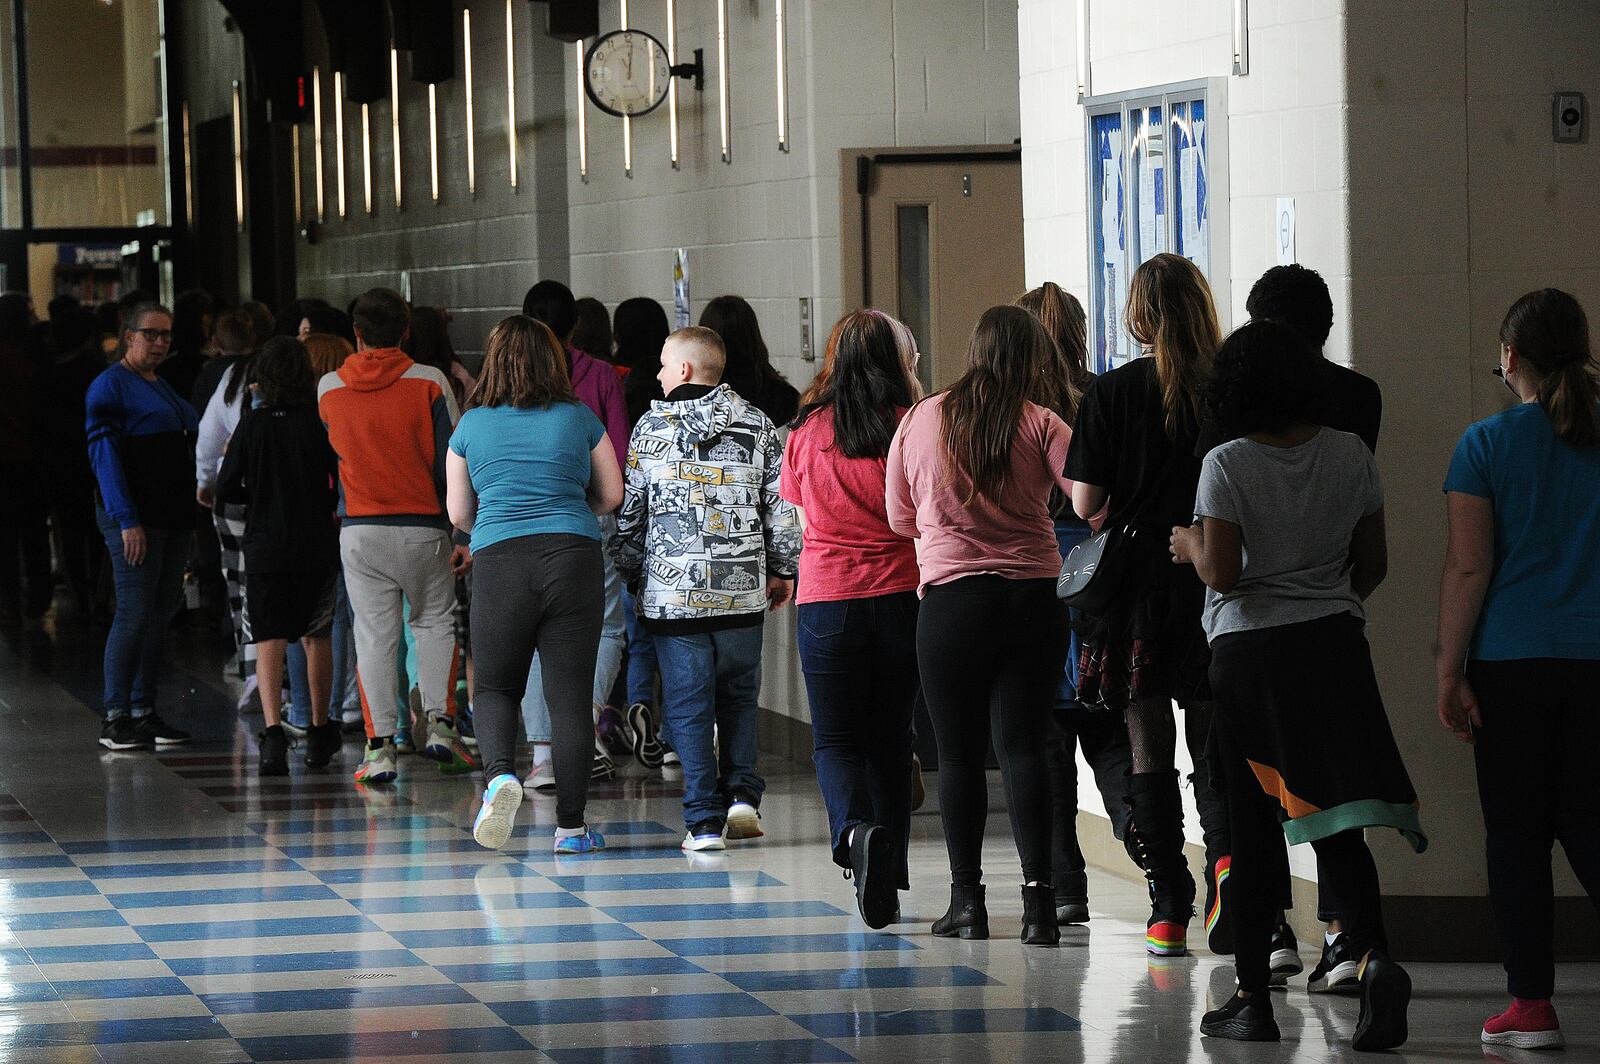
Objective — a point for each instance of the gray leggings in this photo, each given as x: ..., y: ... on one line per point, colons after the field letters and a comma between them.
x: 547, y: 593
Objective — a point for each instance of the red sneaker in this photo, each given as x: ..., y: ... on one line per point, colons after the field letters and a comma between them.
x: 1528, y: 1024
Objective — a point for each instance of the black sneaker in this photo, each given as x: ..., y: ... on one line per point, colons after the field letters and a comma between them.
x: 1219, y: 929
x: 1072, y: 911
x: 647, y: 748
x: 158, y: 731
x: 1338, y: 972
x: 1242, y: 1020
x: 871, y: 858
x: 274, y: 752
x: 322, y: 742
x: 1285, y: 956
x: 1385, y: 995
x: 119, y: 733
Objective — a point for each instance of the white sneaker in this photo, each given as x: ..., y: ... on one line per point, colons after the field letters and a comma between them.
x: 498, y: 814
x: 290, y: 728
x: 744, y: 822
x: 543, y: 777
x: 671, y: 758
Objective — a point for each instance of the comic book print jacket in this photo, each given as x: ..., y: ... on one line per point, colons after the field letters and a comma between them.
x: 702, y: 525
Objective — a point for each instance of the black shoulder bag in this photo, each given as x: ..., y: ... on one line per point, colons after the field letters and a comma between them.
x: 1094, y: 572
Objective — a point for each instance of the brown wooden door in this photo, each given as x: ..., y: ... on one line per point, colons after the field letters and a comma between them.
x: 934, y: 237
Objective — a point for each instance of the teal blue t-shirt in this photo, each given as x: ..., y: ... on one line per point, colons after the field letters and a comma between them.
x: 530, y: 468
x: 1544, y: 596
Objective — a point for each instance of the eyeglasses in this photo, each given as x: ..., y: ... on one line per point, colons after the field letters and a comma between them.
x: 156, y: 335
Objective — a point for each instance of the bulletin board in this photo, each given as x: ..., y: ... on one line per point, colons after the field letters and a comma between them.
x: 1157, y: 182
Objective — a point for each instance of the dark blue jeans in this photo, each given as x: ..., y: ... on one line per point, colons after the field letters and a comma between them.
x: 642, y: 667
x: 713, y: 678
x: 147, y: 597
x: 859, y: 657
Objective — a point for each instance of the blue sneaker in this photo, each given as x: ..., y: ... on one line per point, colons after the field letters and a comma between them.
x: 590, y: 841
x: 499, y: 811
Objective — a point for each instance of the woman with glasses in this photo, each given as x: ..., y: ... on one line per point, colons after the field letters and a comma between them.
x: 141, y: 443
x: 1519, y: 638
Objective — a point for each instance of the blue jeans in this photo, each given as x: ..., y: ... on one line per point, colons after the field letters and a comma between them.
x: 608, y: 662
x: 642, y: 667
x: 860, y: 662
x: 342, y: 692
x: 147, y: 598
x: 713, y: 679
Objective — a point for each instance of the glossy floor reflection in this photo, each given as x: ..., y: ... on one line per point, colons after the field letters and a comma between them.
x: 175, y: 908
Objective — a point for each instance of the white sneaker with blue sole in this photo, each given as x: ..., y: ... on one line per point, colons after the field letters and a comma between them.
x: 498, y: 814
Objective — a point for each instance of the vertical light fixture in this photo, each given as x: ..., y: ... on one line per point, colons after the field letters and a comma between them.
x: 672, y: 82
x: 472, y: 156
x: 433, y: 140
x: 294, y: 151
x: 583, y: 119
x: 238, y: 157
x: 394, y: 118
x: 316, y: 136
x: 627, y: 121
x: 366, y: 156
x: 1084, y: 86
x: 511, y: 92
x: 188, y: 169
x: 1241, y: 37
x: 338, y: 139
x: 723, y: 102
x: 780, y: 71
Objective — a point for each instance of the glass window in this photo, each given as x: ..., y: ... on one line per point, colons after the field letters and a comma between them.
x: 913, y: 283
x: 1190, y: 196
x: 1150, y: 171
x: 1107, y: 209
x: 96, y: 120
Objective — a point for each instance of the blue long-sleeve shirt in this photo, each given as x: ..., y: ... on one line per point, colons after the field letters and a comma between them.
x: 141, y: 444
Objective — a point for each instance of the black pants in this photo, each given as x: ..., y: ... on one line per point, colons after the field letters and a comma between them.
x: 1104, y: 740
x: 990, y: 652
x: 1536, y: 782
x: 544, y: 593
x: 1261, y: 867
x: 25, y: 585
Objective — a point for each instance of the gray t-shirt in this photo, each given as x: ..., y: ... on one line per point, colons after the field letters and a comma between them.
x: 1297, y: 508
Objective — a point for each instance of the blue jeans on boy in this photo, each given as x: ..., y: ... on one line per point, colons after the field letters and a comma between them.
x: 859, y: 657
x: 613, y: 644
x: 344, y: 656
x: 642, y: 667
x: 147, y: 598
x: 713, y: 679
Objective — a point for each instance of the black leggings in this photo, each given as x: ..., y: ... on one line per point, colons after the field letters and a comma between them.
x: 1535, y: 755
x: 1261, y: 867
x: 990, y: 652
x: 544, y: 593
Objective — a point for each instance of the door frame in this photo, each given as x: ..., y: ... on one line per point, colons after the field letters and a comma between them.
x: 857, y: 170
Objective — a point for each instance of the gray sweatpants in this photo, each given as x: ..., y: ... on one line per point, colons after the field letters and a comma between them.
x: 383, y: 566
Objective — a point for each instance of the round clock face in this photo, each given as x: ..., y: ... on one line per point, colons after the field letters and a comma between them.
x: 626, y: 73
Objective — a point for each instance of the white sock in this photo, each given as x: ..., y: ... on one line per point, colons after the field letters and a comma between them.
x: 571, y: 833
x: 1329, y: 936
x: 541, y: 753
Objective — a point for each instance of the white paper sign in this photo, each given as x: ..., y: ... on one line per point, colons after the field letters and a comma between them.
x: 1283, y: 230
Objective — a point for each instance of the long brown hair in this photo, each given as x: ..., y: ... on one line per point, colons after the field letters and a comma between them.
x: 1064, y: 319
x: 1008, y: 360
x: 1170, y: 311
x: 327, y: 352
x: 1549, y: 329
x: 524, y: 365
x: 864, y: 382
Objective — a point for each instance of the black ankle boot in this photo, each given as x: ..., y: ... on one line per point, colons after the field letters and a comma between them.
x: 1039, y: 926
x: 967, y: 917
x: 1155, y: 841
x: 1242, y: 1020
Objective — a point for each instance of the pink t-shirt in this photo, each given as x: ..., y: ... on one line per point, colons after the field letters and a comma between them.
x: 1012, y: 536
x: 848, y: 550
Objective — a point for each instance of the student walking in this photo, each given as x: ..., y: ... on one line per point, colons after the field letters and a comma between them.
x: 281, y: 470
x: 969, y: 475
x: 389, y: 420
x: 1519, y: 639
x: 1133, y: 445
x: 529, y: 468
x: 1301, y: 731
x: 710, y: 546
x: 141, y: 443
x: 857, y: 606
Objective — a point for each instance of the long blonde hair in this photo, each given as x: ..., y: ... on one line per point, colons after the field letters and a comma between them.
x: 1170, y: 311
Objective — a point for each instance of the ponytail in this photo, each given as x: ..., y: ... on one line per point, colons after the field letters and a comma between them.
x: 1549, y: 330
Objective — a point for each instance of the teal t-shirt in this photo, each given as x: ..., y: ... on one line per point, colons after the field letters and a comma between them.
x: 530, y: 468
x: 1544, y: 596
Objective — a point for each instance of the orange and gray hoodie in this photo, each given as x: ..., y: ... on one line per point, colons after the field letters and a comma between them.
x: 389, y: 420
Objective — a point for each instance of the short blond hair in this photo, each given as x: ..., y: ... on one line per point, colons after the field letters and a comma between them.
x: 702, y: 348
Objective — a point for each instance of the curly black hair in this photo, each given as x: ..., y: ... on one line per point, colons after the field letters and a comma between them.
x: 1264, y: 379
x: 1298, y: 297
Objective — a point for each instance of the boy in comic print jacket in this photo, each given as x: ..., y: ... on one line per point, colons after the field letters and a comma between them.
x: 708, y: 546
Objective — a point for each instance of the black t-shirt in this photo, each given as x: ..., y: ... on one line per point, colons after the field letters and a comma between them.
x: 1353, y: 403
x: 1120, y: 443
x: 280, y: 465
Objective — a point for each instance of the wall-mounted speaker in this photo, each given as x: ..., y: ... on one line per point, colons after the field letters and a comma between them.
x: 573, y: 20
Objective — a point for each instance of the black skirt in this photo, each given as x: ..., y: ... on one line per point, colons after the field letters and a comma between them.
x: 1150, y: 644
x: 1301, y: 703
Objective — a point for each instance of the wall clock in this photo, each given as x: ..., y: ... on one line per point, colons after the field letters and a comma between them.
x: 626, y: 73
